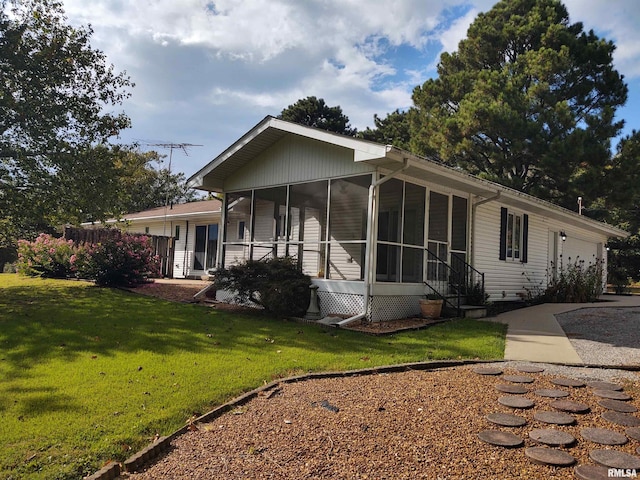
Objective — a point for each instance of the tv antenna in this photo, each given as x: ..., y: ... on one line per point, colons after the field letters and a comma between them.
x: 171, y: 146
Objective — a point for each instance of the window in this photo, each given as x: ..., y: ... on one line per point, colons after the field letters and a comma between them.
x: 206, y: 246
x: 177, y: 234
x: 513, y: 235
x: 241, y: 229
x: 146, y: 229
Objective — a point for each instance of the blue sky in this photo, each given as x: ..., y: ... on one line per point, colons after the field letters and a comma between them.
x: 207, y: 71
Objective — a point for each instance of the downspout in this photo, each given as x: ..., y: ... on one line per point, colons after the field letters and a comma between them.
x: 474, y: 207
x: 369, y: 243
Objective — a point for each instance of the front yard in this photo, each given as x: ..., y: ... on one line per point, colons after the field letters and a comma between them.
x: 91, y: 374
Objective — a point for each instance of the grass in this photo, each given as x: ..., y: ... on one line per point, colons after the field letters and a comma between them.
x: 89, y: 374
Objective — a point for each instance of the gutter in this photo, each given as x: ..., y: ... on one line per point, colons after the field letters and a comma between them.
x: 369, y: 243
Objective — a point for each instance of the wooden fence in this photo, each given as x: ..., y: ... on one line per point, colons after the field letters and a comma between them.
x: 164, y: 247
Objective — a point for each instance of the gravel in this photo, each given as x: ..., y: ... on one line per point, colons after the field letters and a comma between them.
x: 604, y: 336
x: 414, y: 424
x: 408, y: 425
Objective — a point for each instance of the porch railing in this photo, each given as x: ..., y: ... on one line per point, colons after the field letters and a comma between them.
x: 454, y: 282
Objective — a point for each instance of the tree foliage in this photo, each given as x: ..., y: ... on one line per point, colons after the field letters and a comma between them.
x: 314, y: 112
x: 394, y: 129
x: 528, y: 101
x: 55, y: 95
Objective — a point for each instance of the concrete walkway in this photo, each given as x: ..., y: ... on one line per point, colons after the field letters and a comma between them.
x: 534, y: 334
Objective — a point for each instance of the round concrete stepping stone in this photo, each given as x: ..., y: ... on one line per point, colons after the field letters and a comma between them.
x: 617, y: 405
x: 515, y: 401
x: 518, y: 379
x: 569, y: 406
x: 591, y: 472
x: 487, y: 371
x: 633, y: 432
x: 556, y: 418
x: 615, y: 459
x: 507, y: 419
x: 549, y: 456
x: 603, y: 436
x: 567, y: 382
x: 530, y: 369
x: 549, y: 436
x: 508, y: 388
x: 500, y: 439
x: 624, y: 419
x: 612, y: 394
x: 598, y: 385
x: 551, y: 393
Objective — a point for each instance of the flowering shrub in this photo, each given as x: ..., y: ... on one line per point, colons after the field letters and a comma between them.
x: 576, y: 282
x: 121, y: 260
x: 46, y: 256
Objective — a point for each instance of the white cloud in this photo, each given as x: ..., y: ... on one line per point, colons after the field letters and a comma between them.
x: 208, y: 70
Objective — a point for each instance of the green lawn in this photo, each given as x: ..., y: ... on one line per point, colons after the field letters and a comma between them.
x: 91, y: 374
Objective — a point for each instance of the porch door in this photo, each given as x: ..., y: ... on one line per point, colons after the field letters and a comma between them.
x: 438, y: 242
x: 206, y: 246
x: 459, y: 215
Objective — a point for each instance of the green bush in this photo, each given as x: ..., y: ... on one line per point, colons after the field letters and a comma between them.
x: 122, y: 259
x: 46, y: 256
x: 576, y: 283
x: 277, y: 284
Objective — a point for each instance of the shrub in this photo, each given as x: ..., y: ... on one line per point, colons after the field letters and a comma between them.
x: 576, y: 283
x: 277, y: 284
x: 46, y: 256
x: 122, y: 259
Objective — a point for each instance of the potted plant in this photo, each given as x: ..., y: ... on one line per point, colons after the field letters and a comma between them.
x: 431, y: 307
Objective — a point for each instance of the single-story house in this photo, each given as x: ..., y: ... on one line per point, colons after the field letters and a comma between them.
x: 377, y: 227
x: 194, y: 227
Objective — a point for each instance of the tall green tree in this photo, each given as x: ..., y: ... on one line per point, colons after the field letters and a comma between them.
x: 528, y: 101
x: 314, y: 112
x: 56, y: 95
x: 394, y: 129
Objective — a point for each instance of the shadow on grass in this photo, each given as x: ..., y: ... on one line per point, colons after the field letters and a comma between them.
x: 64, y: 320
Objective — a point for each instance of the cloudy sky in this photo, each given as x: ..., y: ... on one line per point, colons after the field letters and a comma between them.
x: 208, y: 71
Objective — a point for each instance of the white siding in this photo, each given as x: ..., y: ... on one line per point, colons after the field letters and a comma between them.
x: 295, y: 159
x: 510, y: 280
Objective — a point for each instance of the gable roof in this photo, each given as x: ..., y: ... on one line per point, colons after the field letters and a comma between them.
x: 386, y: 157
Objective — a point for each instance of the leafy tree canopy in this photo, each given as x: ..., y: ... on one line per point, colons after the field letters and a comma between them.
x: 314, y: 112
x: 394, y: 130
x: 55, y: 94
x: 528, y: 101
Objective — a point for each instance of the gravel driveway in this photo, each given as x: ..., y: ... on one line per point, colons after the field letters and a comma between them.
x: 604, y: 335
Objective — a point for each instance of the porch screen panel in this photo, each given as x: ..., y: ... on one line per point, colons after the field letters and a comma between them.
x: 308, y: 225
x: 438, y: 217
x: 236, y: 231
x: 348, y: 227
x: 412, y: 261
x: 459, y: 224
x: 389, y: 228
x: 413, y: 224
x: 269, y: 213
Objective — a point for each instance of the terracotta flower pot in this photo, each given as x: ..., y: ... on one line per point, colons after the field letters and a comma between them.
x: 431, y: 308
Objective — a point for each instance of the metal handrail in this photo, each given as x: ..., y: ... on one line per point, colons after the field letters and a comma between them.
x: 462, y: 285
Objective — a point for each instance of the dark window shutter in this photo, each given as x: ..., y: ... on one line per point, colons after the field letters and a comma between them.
x: 525, y: 238
x: 503, y: 233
